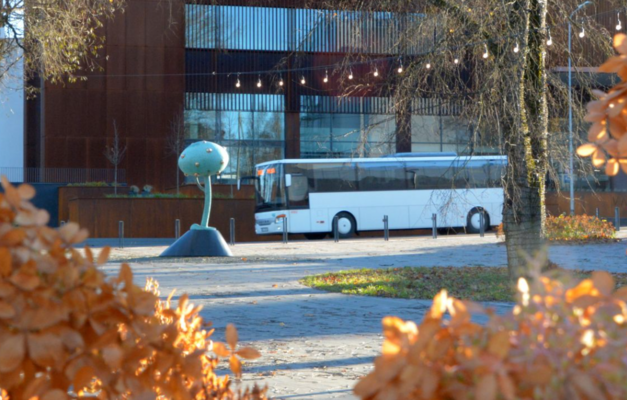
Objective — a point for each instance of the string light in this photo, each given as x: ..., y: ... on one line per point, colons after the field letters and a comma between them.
x: 400, y: 67
x: 376, y: 71
x: 456, y: 60
x: 428, y: 65
x: 350, y: 74
x: 550, y: 39
x: 238, y: 83
x: 326, y: 77
x: 485, y: 53
x: 281, y: 83
x: 516, y: 49
x: 582, y: 33
x: 619, y: 25
x: 302, y: 80
x: 259, y: 81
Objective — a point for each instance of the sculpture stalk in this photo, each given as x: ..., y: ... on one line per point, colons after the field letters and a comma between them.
x: 207, y: 210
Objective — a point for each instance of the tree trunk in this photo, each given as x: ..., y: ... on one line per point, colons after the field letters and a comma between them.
x: 526, y: 147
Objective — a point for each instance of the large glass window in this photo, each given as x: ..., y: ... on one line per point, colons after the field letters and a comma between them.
x: 250, y: 137
x: 381, y: 176
x: 335, y: 177
x: 429, y: 175
x: 270, y: 188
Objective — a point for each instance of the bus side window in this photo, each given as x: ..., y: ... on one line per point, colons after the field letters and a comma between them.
x: 298, y: 192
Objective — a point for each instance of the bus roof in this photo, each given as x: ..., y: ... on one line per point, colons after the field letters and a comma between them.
x: 381, y: 159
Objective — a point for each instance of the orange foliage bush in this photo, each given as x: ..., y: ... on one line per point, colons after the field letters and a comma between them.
x: 560, y: 342
x: 578, y: 227
x: 608, y: 115
x: 66, y: 329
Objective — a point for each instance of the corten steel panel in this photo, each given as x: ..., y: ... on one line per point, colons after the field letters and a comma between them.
x: 116, y: 111
x: 157, y: 123
x: 135, y: 162
x: 56, y: 152
x: 67, y: 193
x: 77, y: 151
x: 116, y: 67
x: 174, y: 70
x: 54, y: 106
x: 155, y: 69
x: 95, y: 153
x: 154, y: 156
x: 136, y: 68
x: 94, y: 121
x: 156, y: 21
x: 136, y: 23
x: 136, y: 114
x: 116, y: 30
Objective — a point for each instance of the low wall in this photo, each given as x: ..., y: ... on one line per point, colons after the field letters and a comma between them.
x: 587, y: 203
x: 154, y: 218
x: 67, y: 193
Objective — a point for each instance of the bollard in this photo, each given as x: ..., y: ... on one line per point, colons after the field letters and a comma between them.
x: 121, y: 234
x: 177, y: 229
x: 284, y: 229
x: 597, y: 212
x: 386, y: 229
x: 232, y: 231
x: 336, y: 233
x: 617, y: 218
x: 434, y: 218
x: 481, y: 223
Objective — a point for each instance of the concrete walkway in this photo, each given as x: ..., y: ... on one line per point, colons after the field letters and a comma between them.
x: 315, y: 345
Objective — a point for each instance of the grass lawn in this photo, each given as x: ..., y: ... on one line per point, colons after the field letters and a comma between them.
x: 465, y: 283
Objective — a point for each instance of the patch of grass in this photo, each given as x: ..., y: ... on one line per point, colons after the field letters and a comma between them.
x: 465, y: 283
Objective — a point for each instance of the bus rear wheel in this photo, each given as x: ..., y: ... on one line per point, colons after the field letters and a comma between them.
x: 346, y: 225
x: 316, y: 236
x: 474, y: 221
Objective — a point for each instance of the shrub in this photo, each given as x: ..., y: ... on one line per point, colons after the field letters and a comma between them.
x: 67, y: 329
x: 561, y: 341
x: 91, y: 184
x: 579, y: 227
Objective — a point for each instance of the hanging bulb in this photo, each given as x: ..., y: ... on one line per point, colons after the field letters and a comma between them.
x: 281, y: 83
x: 485, y: 53
x: 259, y: 82
x: 400, y: 67
x: 550, y: 39
x: 302, y: 80
x: 456, y: 60
x: 582, y: 33
x: 350, y: 74
x: 428, y: 65
x: 516, y: 49
x: 238, y: 83
x: 619, y: 25
x: 326, y: 77
x: 376, y: 72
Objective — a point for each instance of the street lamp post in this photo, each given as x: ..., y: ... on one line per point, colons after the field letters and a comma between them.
x: 570, y: 108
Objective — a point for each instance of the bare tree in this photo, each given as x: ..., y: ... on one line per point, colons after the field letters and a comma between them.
x: 115, y: 155
x: 175, y: 142
x: 488, y: 59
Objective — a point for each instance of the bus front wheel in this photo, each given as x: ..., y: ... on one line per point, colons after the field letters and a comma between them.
x: 474, y: 221
x: 345, y: 225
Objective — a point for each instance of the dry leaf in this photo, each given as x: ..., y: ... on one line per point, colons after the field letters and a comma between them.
x: 235, y: 365
x: 11, y: 352
x: 486, y: 388
x: 603, y: 282
x: 103, y: 257
x: 231, y: 336
x: 586, y: 150
x: 248, y: 353
x: 220, y: 349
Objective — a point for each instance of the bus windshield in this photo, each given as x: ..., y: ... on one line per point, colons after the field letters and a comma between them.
x: 269, y: 188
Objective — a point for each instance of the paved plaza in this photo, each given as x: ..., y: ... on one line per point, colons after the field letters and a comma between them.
x: 316, y: 345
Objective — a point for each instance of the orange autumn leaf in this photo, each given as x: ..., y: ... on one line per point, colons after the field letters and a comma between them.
x: 231, y: 336
x: 221, y: 350
x: 12, y: 352
x: 248, y: 353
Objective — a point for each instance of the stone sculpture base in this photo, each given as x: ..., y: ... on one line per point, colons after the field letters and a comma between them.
x: 207, y: 242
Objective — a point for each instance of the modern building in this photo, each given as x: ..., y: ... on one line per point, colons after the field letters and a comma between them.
x: 12, y: 117
x: 250, y: 75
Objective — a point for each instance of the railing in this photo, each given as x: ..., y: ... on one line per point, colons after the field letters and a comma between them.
x: 62, y: 175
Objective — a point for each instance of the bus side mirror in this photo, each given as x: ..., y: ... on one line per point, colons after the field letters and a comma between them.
x: 288, y: 180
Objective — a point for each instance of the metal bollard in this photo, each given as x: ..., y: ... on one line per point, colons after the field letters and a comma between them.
x: 121, y: 234
x: 177, y: 229
x: 597, y: 212
x: 386, y: 229
x: 336, y: 233
x: 232, y: 232
x: 434, y: 218
x: 617, y: 218
x: 284, y: 229
x: 481, y: 223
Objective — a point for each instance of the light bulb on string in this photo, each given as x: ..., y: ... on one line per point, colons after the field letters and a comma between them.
x: 428, y: 65
x: 376, y: 72
x: 619, y: 25
x: 400, y: 67
x: 259, y: 81
x: 485, y: 53
x: 350, y: 74
x: 549, y: 41
x: 326, y: 77
x: 516, y: 49
x: 302, y: 80
x: 582, y: 33
x: 238, y: 83
x: 281, y: 83
x: 456, y: 60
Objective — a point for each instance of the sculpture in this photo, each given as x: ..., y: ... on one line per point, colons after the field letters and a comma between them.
x: 201, y: 160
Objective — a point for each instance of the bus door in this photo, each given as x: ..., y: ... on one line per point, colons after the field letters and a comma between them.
x: 298, y: 202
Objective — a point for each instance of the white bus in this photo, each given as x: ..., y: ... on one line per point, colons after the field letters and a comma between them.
x: 407, y: 187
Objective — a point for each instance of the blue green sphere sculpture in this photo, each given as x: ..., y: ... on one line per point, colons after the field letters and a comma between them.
x: 202, y: 160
